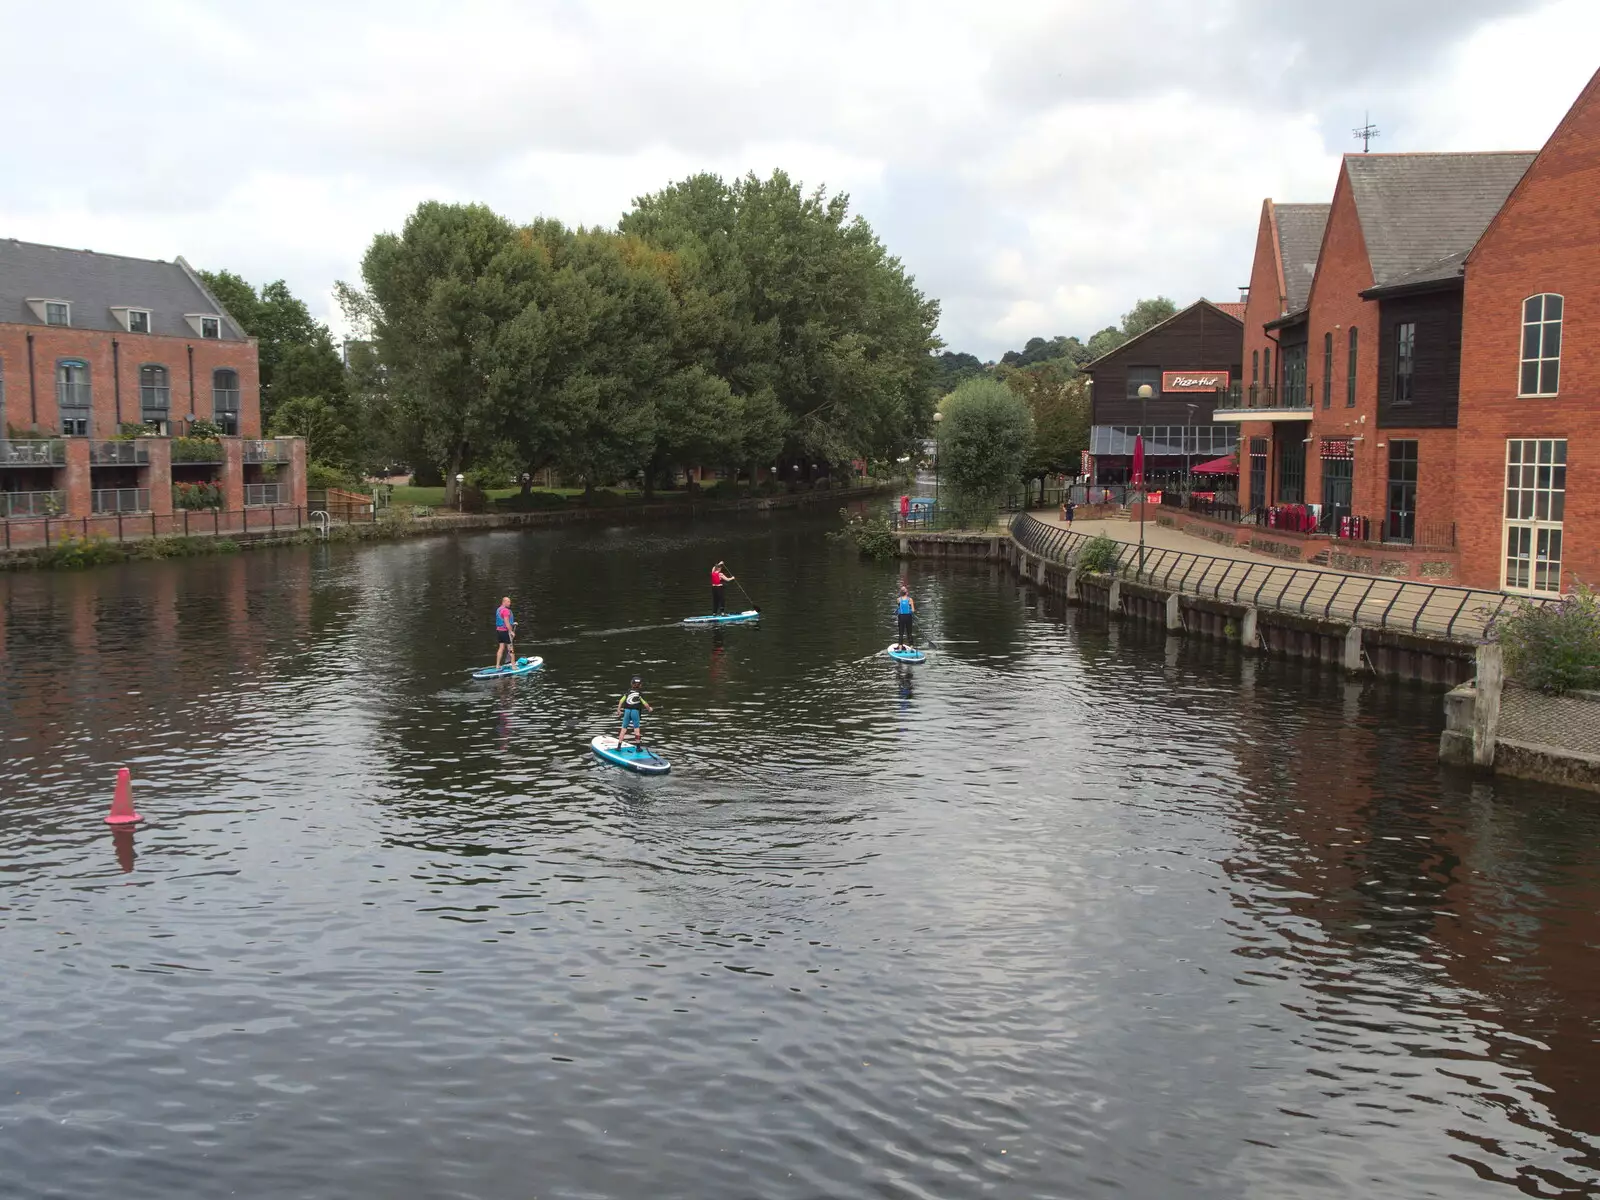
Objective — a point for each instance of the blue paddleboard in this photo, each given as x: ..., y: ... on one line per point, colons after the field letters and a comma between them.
x: 646, y: 762
x: 906, y: 654
x: 749, y: 614
x: 523, y: 666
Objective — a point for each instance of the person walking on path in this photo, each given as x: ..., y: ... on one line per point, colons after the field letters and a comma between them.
x: 718, y: 578
x: 1066, y: 510
x: 905, y: 611
x: 505, y: 633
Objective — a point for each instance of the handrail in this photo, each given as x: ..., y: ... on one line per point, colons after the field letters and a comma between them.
x: 1462, y: 614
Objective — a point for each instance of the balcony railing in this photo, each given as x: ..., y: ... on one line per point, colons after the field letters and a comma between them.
x: 269, y: 450
x: 119, y: 454
x: 119, y: 500
x: 258, y: 494
x: 32, y: 452
x: 31, y: 504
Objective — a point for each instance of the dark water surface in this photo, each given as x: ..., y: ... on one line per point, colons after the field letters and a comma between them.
x: 1068, y: 911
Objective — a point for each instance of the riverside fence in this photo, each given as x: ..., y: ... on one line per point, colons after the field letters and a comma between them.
x: 199, y: 522
x: 1438, y: 610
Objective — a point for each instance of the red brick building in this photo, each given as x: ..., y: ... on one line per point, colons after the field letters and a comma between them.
x: 1352, y: 429
x: 91, y: 344
x: 1527, y: 486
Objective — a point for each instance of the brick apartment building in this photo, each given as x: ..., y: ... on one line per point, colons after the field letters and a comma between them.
x: 91, y: 344
x: 1187, y: 361
x: 1527, y: 488
x: 1352, y: 431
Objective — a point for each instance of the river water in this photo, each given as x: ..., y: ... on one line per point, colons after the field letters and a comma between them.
x: 1070, y: 910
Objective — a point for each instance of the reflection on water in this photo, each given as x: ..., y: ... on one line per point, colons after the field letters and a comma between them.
x: 1071, y: 909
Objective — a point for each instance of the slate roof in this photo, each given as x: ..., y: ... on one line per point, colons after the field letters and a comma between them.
x: 1419, y: 209
x: 1300, y: 229
x: 1440, y: 270
x: 92, y: 283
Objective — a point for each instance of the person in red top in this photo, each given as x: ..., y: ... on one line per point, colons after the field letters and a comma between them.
x: 905, y: 510
x: 505, y: 633
x: 718, y: 578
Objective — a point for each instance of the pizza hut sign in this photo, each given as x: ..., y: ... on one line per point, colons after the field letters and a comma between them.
x: 1193, y: 381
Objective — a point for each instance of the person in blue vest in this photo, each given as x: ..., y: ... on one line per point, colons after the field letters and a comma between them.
x: 505, y: 633
x: 905, y: 609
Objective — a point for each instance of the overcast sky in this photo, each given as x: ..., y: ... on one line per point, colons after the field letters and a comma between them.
x: 1038, y: 166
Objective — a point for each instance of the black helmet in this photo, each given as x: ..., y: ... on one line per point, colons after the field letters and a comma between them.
x: 635, y: 681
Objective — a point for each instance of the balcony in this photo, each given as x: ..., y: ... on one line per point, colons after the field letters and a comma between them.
x: 119, y: 454
x: 259, y: 495
x: 119, y: 500
x: 32, y: 452
x: 196, y: 450
x: 269, y: 450
x: 31, y: 504
x: 1258, y: 403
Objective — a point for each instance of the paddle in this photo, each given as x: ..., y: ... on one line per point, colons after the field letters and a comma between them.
x: 747, y: 596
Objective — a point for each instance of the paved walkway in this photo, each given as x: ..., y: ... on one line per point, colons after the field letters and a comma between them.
x: 1179, y: 562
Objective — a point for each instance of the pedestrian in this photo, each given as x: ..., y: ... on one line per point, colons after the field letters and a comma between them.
x: 718, y: 578
x: 905, y: 511
x: 505, y: 633
x: 1066, y: 511
x: 905, y: 610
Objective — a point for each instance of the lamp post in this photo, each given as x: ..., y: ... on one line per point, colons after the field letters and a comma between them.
x: 460, y: 479
x: 937, y: 417
x: 1188, y: 449
x: 1145, y: 392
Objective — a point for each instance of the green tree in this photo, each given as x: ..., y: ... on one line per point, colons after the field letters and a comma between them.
x: 323, y: 423
x: 1104, y: 342
x: 1058, y: 402
x: 1146, y: 314
x: 984, y: 438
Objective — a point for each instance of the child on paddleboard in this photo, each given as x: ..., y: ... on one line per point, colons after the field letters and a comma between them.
x: 718, y: 578
x: 505, y: 633
x: 905, y: 609
x: 631, y: 709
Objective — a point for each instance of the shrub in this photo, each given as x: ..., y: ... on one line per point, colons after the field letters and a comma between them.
x: 473, y: 499
x: 193, y: 449
x: 1552, y: 647
x: 73, y: 552
x: 724, y: 489
x: 205, y: 494
x: 204, y: 430
x: 873, y: 537
x: 320, y: 475
x: 531, y: 502
x: 1099, y: 557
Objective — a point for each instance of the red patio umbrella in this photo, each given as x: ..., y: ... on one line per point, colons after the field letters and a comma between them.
x: 1218, y: 466
x: 1138, y: 460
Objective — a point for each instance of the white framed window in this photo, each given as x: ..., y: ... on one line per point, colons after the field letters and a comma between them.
x: 205, y: 325
x: 57, y: 312
x: 138, y: 320
x: 1536, y: 496
x: 1541, y: 346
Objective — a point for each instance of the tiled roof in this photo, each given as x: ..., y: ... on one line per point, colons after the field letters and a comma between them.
x: 95, y: 283
x: 1418, y: 209
x: 1300, y: 229
x: 1234, y: 308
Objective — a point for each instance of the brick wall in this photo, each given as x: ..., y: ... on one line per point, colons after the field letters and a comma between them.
x: 114, y: 360
x: 1546, y: 239
x: 1265, y: 304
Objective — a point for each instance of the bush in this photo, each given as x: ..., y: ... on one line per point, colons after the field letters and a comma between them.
x: 1552, y: 647
x: 873, y: 537
x: 320, y: 475
x: 724, y: 489
x: 193, y: 449
x: 473, y: 499
x: 1099, y: 557
x: 532, y: 502
x: 206, y: 494
x: 72, y: 552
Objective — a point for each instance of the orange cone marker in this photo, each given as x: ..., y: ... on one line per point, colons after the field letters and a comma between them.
x: 122, y: 803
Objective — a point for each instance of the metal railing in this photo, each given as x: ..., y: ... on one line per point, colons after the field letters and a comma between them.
x: 1381, y: 602
x: 30, y: 504
x: 266, y: 450
x: 257, y: 495
x: 49, y: 530
x: 119, y: 500
x: 32, y: 452
x: 119, y: 454
x: 1255, y: 395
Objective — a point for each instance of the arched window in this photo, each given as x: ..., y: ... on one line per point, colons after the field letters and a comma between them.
x: 225, y: 399
x: 73, y: 397
x: 155, y: 395
x: 1350, y: 372
x: 1327, y: 370
x: 1541, y: 345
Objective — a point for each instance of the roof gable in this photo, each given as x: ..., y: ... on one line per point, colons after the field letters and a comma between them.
x: 1299, y: 241
x: 1417, y: 209
x: 1173, y: 319
x: 95, y: 283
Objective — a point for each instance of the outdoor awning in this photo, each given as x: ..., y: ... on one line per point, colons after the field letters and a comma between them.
x: 1218, y: 466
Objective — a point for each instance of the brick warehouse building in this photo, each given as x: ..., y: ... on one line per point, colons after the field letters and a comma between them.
x: 1288, y: 240
x: 1361, y: 397
x: 1528, y: 481
x: 92, y: 343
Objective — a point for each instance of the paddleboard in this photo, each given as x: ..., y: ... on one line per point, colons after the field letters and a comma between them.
x: 906, y: 654
x: 645, y: 761
x: 749, y: 614
x: 523, y: 666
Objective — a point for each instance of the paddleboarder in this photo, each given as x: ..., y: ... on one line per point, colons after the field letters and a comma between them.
x: 718, y: 578
x: 631, y: 709
x: 905, y: 609
x: 505, y: 632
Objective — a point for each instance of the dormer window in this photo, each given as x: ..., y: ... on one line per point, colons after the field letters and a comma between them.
x: 134, y: 320
x: 206, y: 325
x: 51, y: 312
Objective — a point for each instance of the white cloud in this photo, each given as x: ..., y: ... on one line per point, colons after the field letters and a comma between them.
x: 1038, y: 166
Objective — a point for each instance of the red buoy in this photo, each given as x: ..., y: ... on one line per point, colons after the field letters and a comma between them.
x: 122, y: 803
